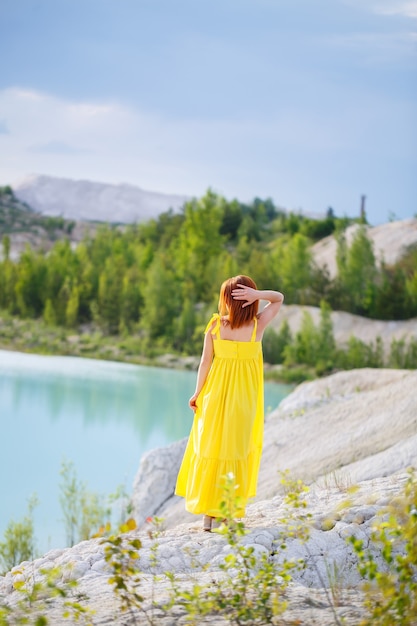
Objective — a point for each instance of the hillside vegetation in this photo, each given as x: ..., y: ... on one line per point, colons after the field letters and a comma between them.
x: 158, y: 281
x: 20, y: 225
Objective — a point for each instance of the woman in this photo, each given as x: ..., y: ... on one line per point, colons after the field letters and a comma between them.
x: 226, y: 436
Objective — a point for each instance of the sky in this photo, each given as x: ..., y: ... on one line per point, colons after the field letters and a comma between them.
x: 311, y: 103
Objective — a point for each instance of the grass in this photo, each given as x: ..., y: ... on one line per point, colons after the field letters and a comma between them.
x: 34, y: 336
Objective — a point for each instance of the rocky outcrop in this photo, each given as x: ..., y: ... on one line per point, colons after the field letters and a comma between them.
x: 350, y: 426
x: 353, y: 426
x: 189, y: 553
x: 155, y: 480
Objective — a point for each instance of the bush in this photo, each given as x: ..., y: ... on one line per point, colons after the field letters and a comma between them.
x: 391, y: 588
x: 19, y: 541
x: 274, y: 343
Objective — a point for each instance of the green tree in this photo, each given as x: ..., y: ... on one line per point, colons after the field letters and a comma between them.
x: 29, y: 286
x: 305, y: 345
x: 411, y: 291
x: 357, y: 271
x: 110, y: 294
x: 49, y: 313
x: 184, y: 327
x: 274, y: 343
x: 71, y: 312
x: 6, y: 247
x: 326, y: 345
x: 231, y: 220
x: 8, y: 279
x: 293, y: 259
x: 131, y: 297
x: 198, y: 242
x: 162, y: 299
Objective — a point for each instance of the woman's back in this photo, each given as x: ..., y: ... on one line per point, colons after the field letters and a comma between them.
x: 244, y: 333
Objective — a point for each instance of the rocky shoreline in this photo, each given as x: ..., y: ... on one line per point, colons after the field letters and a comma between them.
x: 356, y: 428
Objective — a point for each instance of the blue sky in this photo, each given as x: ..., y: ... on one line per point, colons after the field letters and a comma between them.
x: 309, y: 102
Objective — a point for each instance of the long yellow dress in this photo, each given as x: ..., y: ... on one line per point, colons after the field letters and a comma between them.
x: 227, y: 432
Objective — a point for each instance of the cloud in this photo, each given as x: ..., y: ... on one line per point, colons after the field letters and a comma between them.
x: 96, y: 140
x: 284, y: 155
x: 387, y: 7
x: 406, y: 9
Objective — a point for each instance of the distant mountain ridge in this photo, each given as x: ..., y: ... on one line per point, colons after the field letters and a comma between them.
x: 92, y: 201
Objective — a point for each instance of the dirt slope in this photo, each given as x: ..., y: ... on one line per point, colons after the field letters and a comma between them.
x: 389, y: 240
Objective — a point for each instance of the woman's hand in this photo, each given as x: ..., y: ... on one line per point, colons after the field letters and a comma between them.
x: 245, y: 293
x: 192, y: 402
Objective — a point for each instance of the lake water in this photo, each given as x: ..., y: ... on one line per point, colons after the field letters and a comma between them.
x: 99, y: 415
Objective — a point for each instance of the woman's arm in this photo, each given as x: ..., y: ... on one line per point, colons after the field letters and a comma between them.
x: 249, y: 295
x: 203, y: 368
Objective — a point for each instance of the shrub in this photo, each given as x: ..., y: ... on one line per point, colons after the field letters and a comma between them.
x: 251, y: 589
x: 19, y: 540
x: 391, y: 588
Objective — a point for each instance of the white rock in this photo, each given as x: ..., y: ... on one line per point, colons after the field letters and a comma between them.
x: 389, y: 243
x: 87, y: 200
x: 155, y: 480
x: 331, y: 430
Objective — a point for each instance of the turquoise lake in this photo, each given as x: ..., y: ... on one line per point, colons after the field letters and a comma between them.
x: 99, y: 415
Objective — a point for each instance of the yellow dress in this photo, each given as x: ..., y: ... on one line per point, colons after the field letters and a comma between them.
x: 227, y: 432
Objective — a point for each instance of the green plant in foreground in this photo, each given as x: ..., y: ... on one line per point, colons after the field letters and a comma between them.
x: 250, y: 588
x: 36, y: 595
x: 122, y: 556
x: 19, y: 541
x: 86, y: 511
x: 391, y: 588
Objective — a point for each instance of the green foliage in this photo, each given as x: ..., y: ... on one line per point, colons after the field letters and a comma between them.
x: 391, y: 588
x: 19, y: 540
x: 293, y: 260
x: 317, y: 229
x: 84, y: 511
x: 122, y: 556
x: 6, y: 190
x: 357, y: 272
x: 49, y: 313
x: 303, y: 349
x: 360, y: 354
x: 158, y: 279
x: 251, y: 587
x: 402, y: 355
x: 6, y: 247
x: 314, y: 346
x: 35, y: 595
x: 274, y: 343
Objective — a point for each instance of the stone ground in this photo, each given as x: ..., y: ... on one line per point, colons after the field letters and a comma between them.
x: 195, y: 556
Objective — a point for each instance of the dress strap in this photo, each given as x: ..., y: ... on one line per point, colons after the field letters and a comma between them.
x: 255, y: 328
x: 216, y: 330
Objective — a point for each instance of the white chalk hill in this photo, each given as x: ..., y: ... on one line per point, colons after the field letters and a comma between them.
x: 92, y: 201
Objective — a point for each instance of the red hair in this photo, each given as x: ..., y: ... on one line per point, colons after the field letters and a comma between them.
x: 238, y: 315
